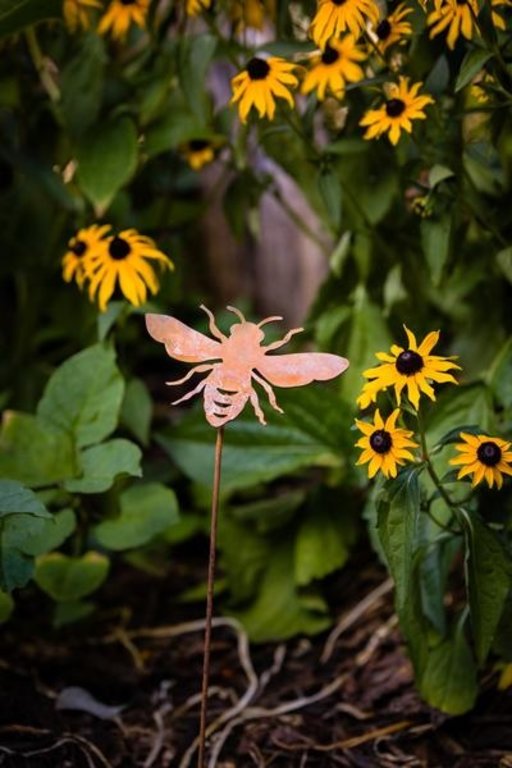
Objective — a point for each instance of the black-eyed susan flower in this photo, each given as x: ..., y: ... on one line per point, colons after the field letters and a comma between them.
x: 77, y: 13
x: 486, y: 458
x: 403, y: 104
x: 334, y: 67
x: 120, y: 15
x: 455, y: 16
x: 198, y: 153
x: 260, y: 83
x: 392, y: 29
x: 384, y: 444
x: 123, y: 259
x: 195, y: 7
x: 412, y: 368
x: 336, y: 16
x: 80, y: 247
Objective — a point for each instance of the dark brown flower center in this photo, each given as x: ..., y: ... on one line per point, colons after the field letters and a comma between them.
x: 383, y: 30
x: 461, y: 2
x: 78, y: 248
x: 489, y: 453
x: 330, y: 55
x: 338, y: 2
x: 257, y: 68
x: 197, y: 145
x: 128, y: 2
x: 395, y: 107
x: 409, y: 362
x: 381, y: 441
x: 119, y: 248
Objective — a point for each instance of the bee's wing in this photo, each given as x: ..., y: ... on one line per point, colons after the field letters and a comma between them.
x: 182, y: 342
x: 302, y: 368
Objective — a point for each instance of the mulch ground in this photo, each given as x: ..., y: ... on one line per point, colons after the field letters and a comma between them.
x: 121, y: 689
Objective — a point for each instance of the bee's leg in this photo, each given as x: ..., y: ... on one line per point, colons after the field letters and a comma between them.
x: 213, y: 325
x: 195, y: 369
x: 270, y: 392
x: 253, y: 397
x: 283, y: 341
x: 193, y: 392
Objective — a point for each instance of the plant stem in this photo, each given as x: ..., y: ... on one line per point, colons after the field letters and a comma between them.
x: 41, y: 66
x: 209, y: 593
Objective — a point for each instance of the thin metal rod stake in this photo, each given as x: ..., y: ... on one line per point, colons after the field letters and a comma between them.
x: 209, y: 594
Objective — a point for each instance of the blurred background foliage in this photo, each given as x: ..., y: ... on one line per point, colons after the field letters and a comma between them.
x: 298, y: 216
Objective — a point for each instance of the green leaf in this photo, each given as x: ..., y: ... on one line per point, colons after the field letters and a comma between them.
x: 6, y: 607
x: 464, y: 405
x: 81, y: 84
x: 84, y: 395
x: 500, y: 375
x: 194, y: 55
x: 280, y: 611
x: 439, y: 173
x: 137, y: 410
x: 311, y: 433
x: 504, y: 261
x: 36, y: 536
x: 16, y: 568
x: 34, y: 451
x: 17, y: 500
x: 330, y: 191
x: 70, y: 578
x: 268, y: 514
x: 146, y: 510
x: 436, y: 237
x: 69, y: 612
x: 449, y: 679
x: 488, y: 578
x: 103, y: 464
x: 471, y: 65
x: 107, y: 159
x: 324, y: 539
x: 15, y: 15
x: 244, y: 557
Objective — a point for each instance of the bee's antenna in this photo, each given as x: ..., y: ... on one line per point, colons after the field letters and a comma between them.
x: 273, y: 319
x: 237, y: 313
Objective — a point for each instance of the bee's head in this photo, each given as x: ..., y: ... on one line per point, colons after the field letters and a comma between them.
x: 249, y: 333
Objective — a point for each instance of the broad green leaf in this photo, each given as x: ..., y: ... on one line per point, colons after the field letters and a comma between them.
x: 436, y: 238
x: 84, y: 396
x: 146, y: 510
x: 472, y: 64
x: 449, y: 679
x: 34, y: 451
x: 15, y: 15
x: 500, y: 375
x: 504, y: 261
x: 488, y: 579
x: 16, y: 568
x: 325, y: 537
x: 137, y: 410
x: 244, y: 556
x: 107, y: 159
x: 70, y: 578
x: 502, y: 645
x: 179, y: 126
x: 439, y: 173
x: 463, y: 405
x: 312, y: 432
x: 397, y: 526
x: 102, y: 464
x: 81, y: 84
x: 15, y: 499
x: 71, y: 611
x: 331, y: 194
x: 194, y: 56
x: 280, y: 610
x: 36, y: 536
x: 269, y: 513
x: 6, y: 606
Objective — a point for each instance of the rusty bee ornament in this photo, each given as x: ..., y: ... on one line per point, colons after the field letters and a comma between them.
x: 235, y: 363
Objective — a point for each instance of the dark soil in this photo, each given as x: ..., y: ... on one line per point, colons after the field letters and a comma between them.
x: 356, y: 708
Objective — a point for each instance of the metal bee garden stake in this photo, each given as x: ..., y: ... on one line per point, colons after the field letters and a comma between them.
x: 233, y: 364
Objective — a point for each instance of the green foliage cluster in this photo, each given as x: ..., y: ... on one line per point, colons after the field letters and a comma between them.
x: 421, y: 233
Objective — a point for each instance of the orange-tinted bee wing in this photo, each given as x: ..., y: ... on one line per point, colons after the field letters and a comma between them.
x: 182, y: 342
x: 301, y: 368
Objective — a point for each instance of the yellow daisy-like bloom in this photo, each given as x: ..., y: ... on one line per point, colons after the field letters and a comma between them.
x: 499, y: 21
x: 76, y: 13
x: 392, y: 29
x: 261, y: 81
x: 334, y: 67
x: 335, y: 16
x: 198, y: 152
x: 384, y: 445
x: 80, y: 247
x: 120, y: 15
x: 413, y: 368
x: 486, y: 458
x: 456, y: 16
x: 124, y: 258
x: 195, y: 7
x: 251, y: 13
x: 401, y: 107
